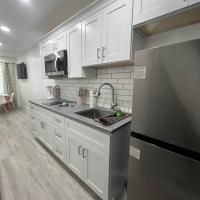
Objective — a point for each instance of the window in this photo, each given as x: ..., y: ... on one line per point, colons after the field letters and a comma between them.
x: 1, y: 79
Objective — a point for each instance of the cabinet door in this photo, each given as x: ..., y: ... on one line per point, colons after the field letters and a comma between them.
x: 49, y: 135
x: 74, y: 46
x: 117, y: 28
x: 145, y: 10
x: 61, y: 43
x: 42, y: 131
x: 35, y: 125
x: 43, y: 53
x: 191, y: 2
x: 96, y: 170
x: 74, y: 158
x: 59, y: 143
x: 91, y: 33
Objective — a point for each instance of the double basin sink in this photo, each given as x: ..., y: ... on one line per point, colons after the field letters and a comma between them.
x: 102, y: 116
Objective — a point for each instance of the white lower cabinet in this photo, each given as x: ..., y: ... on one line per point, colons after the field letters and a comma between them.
x: 89, y: 163
x: 90, y: 153
x: 42, y: 129
x: 49, y: 135
x: 46, y: 132
x: 34, y: 124
x: 59, y: 143
x: 96, y: 169
x: 74, y: 158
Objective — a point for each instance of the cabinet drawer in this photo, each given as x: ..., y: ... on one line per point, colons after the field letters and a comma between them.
x: 92, y: 136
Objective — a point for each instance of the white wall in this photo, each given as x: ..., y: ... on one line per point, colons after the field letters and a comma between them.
x: 7, y: 59
x: 35, y: 86
x: 30, y: 88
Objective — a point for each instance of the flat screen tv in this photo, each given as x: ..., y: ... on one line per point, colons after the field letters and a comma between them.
x: 21, y: 71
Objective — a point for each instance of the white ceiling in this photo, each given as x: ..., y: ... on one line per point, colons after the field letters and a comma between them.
x: 29, y: 21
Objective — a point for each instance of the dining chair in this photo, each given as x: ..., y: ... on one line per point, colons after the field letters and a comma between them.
x: 3, y: 103
x: 11, y: 101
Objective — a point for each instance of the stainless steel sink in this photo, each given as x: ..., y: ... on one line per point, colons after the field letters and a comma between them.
x: 57, y: 102
x: 102, y: 116
x: 95, y: 113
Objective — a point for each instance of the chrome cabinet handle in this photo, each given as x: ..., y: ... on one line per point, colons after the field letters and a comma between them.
x: 43, y: 125
x: 103, y: 52
x: 80, y: 150
x: 98, y: 51
x: 58, y: 120
x: 85, y: 152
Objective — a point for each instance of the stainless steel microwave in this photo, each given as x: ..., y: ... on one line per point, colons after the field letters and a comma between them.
x: 56, y: 64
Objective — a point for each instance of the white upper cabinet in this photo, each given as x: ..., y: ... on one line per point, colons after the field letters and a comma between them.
x: 107, y: 34
x: 191, y: 2
x: 117, y: 25
x: 104, y: 35
x: 91, y: 33
x: 74, y: 47
x: 43, y: 53
x: 61, y: 42
x: 145, y: 10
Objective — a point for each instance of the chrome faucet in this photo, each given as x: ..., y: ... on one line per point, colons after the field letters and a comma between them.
x: 113, y: 104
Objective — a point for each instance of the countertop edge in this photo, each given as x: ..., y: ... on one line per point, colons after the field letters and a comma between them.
x: 104, y: 129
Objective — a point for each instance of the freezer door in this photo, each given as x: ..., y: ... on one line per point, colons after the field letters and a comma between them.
x: 158, y: 174
x: 166, y: 102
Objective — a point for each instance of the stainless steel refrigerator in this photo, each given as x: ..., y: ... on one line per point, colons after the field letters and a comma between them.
x: 165, y: 140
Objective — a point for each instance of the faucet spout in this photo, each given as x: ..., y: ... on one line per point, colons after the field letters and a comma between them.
x: 114, y: 104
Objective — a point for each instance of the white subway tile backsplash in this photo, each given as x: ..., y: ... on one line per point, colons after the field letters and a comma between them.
x: 115, y: 70
x: 102, y: 76
x: 120, y: 77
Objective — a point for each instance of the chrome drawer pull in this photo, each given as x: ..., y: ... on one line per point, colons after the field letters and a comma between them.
x: 103, y: 52
x: 85, y: 152
x: 98, y: 51
x: 80, y: 150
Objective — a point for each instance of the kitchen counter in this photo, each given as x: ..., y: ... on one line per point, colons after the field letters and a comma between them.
x: 70, y: 112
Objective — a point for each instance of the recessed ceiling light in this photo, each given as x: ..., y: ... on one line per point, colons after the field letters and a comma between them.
x: 1, y: 44
x: 5, y: 29
x: 25, y: 1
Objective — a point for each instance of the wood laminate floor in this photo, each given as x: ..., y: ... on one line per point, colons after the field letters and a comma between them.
x: 29, y: 169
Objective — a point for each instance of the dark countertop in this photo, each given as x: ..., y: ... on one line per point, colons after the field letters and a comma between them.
x: 70, y: 112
